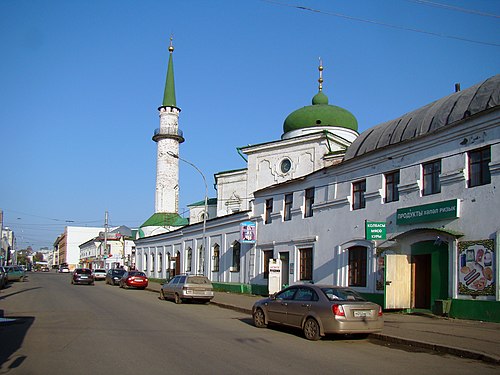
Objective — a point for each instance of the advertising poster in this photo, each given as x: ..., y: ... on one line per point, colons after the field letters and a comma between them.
x: 476, y: 268
x: 248, y: 232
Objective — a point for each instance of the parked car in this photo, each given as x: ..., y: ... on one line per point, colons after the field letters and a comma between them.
x: 82, y: 276
x: 114, y: 275
x: 319, y: 310
x: 99, y: 274
x: 3, y: 278
x: 188, y: 287
x: 134, y: 279
x: 15, y: 273
x: 64, y: 269
x: 45, y: 269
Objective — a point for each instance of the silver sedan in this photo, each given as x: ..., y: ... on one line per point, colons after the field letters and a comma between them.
x: 319, y: 310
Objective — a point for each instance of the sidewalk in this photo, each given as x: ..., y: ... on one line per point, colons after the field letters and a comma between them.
x: 464, y: 338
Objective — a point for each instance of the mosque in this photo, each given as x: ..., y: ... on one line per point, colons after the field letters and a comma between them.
x: 404, y: 212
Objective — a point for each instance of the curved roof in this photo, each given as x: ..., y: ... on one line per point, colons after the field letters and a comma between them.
x: 320, y: 113
x: 430, y: 118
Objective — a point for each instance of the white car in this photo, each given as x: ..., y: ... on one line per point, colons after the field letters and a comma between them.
x: 99, y: 274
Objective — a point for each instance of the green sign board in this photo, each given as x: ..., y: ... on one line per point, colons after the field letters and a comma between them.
x: 375, y: 230
x: 427, y: 212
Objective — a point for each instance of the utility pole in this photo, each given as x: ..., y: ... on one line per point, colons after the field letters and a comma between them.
x: 105, y: 239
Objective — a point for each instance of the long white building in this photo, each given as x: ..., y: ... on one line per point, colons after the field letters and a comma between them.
x: 404, y: 212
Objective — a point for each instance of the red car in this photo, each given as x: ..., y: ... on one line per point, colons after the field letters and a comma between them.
x: 134, y: 279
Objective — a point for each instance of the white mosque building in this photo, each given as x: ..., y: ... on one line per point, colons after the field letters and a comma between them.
x: 404, y: 212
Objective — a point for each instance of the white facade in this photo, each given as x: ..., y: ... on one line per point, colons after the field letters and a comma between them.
x: 74, y: 237
x: 335, y: 226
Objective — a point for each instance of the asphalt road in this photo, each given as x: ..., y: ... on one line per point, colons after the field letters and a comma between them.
x: 67, y: 329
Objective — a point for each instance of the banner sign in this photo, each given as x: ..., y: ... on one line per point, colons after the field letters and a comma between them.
x: 428, y: 212
x: 375, y: 230
x: 248, y: 231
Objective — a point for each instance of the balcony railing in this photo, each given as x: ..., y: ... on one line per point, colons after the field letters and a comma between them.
x: 168, y: 132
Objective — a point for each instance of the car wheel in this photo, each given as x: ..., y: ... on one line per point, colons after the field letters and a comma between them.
x: 177, y: 299
x: 162, y: 296
x: 259, y: 319
x: 311, y: 329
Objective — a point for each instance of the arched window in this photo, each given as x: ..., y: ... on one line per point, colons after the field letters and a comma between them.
x: 145, y: 268
x: 201, y: 260
x: 357, y: 266
x: 160, y: 261
x: 215, y: 258
x: 189, y: 258
x: 236, y: 256
x: 152, y: 262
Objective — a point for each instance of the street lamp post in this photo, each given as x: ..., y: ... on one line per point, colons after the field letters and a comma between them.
x: 205, y: 213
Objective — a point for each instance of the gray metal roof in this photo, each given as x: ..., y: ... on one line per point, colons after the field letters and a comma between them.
x: 430, y: 118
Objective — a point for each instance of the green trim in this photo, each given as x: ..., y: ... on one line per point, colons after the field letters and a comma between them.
x: 255, y: 289
x: 377, y: 298
x: 488, y: 311
x: 210, y: 201
x: 165, y: 219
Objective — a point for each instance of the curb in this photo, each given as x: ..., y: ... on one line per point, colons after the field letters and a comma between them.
x: 458, y: 352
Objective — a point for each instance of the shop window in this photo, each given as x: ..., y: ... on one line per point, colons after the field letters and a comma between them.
x: 357, y: 266
x: 358, y: 195
x: 267, y: 255
x: 431, y: 171
x: 189, y: 258
x: 309, y: 201
x: 236, y: 257
x: 269, y: 210
x: 216, y: 258
x: 479, y: 170
x: 306, y: 264
x: 391, y: 187
x: 287, y: 213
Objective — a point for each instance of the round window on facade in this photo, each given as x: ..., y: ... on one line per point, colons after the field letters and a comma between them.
x: 285, y: 166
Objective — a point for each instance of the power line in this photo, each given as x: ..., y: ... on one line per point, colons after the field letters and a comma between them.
x: 451, y: 7
x: 380, y: 23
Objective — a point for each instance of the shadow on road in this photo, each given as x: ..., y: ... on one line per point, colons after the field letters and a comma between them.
x: 3, y: 296
x: 12, y: 332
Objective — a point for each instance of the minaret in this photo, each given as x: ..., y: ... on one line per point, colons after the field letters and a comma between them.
x: 168, y: 137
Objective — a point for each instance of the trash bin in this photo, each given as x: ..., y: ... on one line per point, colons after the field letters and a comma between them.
x: 442, y: 307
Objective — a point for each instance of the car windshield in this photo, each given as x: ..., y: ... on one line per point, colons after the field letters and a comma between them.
x: 100, y: 271
x: 84, y: 271
x: 118, y: 272
x: 136, y: 273
x: 343, y: 294
x: 198, y: 280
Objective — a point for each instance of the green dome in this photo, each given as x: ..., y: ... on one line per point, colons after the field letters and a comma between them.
x: 320, y: 113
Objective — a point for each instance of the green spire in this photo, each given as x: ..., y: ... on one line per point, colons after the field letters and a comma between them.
x: 169, y: 95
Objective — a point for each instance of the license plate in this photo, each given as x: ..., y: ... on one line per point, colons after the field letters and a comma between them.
x: 362, y: 314
x: 84, y: 277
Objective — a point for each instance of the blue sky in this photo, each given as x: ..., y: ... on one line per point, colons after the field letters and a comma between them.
x: 81, y: 81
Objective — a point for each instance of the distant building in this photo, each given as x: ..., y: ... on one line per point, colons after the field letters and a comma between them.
x: 114, y: 249
x: 67, y: 244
